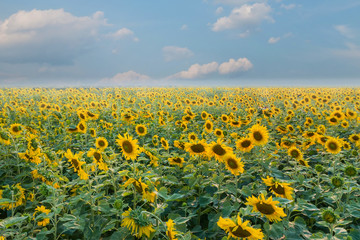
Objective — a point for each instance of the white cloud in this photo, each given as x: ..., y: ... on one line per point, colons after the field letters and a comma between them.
x: 240, y: 65
x: 236, y: 2
x: 244, y: 17
x: 123, y: 33
x: 184, y: 27
x: 196, y: 71
x: 129, y: 78
x: 345, y: 31
x: 288, y: 7
x: 352, y: 51
x: 172, y: 53
x: 52, y: 36
x: 219, y: 10
x: 273, y: 40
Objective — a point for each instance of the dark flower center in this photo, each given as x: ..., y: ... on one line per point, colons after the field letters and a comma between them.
x: 294, y: 153
x: 333, y: 146
x: 141, y: 129
x: 197, y: 148
x: 232, y: 163
x: 219, y: 150
x: 208, y: 125
x: 240, y: 232
x: 97, y: 156
x: 278, y: 189
x: 101, y: 143
x: 245, y: 143
x: 177, y: 160
x: 265, y: 208
x: 127, y: 146
x: 258, y: 136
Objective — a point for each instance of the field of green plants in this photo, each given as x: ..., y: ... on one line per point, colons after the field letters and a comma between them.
x: 180, y: 163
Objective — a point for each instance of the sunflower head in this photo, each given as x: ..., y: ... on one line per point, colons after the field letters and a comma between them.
x: 266, y: 207
x: 244, y: 144
x: 329, y: 216
x: 350, y: 171
x: 15, y: 129
x: 333, y: 145
x: 218, y: 150
x: 129, y: 146
x: 259, y: 135
x: 233, y: 164
x: 141, y: 129
x: 101, y: 143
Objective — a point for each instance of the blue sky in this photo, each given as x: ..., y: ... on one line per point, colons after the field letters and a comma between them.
x: 179, y: 42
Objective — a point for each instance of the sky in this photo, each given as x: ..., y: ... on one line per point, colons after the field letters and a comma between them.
x: 179, y: 43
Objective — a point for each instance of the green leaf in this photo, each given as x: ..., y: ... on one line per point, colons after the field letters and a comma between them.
x: 204, y: 200
x: 11, y: 221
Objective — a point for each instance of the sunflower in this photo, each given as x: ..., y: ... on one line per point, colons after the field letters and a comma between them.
x: 98, y: 159
x: 101, y: 143
x: 233, y: 164
x: 259, y: 135
x: 279, y: 189
x: 16, y: 193
x: 244, y: 144
x: 333, y: 120
x: 224, y: 118
x: 179, y: 144
x: 204, y: 115
x: 92, y: 132
x: 266, y: 207
x: 155, y: 140
x: 170, y: 230
x: 176, y: 161
x: 76, y: 163
x: 241, y: 230
x: 81, y: 127
x: 208, y: 126
x: 355, y: 138
x: 218, y: 150
x: 141, y: 129
x: 4, y: 138
x: 15, y: 129
x: 219, y: 133
x: 137, y: 222
x: 192, y: 137
x: 294, y: 152
x: 333, y: 145
x: 141, y: 188
x: 164, y: 143
x: 196, y: 148
x: 129, y: 146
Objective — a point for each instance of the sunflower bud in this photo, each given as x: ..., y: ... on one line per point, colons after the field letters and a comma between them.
x: 329, y: 216
x: 319, y: 168
x: 350, y: 171
x: 337, y: 181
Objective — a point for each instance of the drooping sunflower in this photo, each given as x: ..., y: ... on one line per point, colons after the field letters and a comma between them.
x: 14, y: 192
x: 164, y: 143
x: 240, y: 230
x: 101, y: 143
x: 266, y: 207
x: 15, y: 129
x: 81, y: 127
x: 4, y: 138
x: 294, y: 152
x: 137, y: 222
x: 196, y: 148
x: 76, y: 163
x: 259, y: 135
x: 303, y: 162
x: 129, y: 146
x: 280, y: 189
x: 218, y: 149
x: 233, y: 164
x: 96, y: 154
x: 208, y: 126
x: 141, y: 129
x: 333, y: 145
x: 170, y: 230
x: 176, y: 161
x: 244, y: 144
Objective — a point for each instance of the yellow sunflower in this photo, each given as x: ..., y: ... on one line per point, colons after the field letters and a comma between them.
x: 192, y: 137
x: 170, y: 230
x: 303, y: 162
x: 96, y: 154
x: 355, y: 138
x: 233, y: 164
x: 240, y: 230
x: 14, y: 192
x: 197, y: 148
x: 259, y: 135
x: 244, y: 144
x: 141, y: 129
x: 137, y: 222
x: 101, y: 143
x: 76, y: 163
x: 266, y: 207
x: 4, y: 138
x: 15, y: 129
x: 81, y: 127
x: 218, y: 150
x: 176, y: 161
x: 208, y: 126
x: 219, y: 133
x: 333, y: 145
x: 92, y: 132
x: 129, y: 146
x: 279, y: 189
x: 164, y: 143
x: 294, y: 152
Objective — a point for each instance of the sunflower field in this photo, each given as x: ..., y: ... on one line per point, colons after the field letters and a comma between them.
x: 180, y: 163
